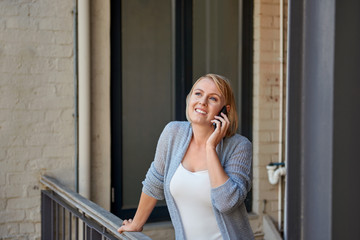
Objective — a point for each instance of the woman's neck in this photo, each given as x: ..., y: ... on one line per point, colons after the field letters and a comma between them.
x: 201, y: 134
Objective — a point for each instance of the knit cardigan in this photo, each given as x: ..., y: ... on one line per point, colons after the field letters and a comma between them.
x: 235, y: 154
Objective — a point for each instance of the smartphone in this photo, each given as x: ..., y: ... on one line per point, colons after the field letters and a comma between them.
x: 223, y: 110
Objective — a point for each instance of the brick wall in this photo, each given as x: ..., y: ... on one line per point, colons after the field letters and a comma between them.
x: 266, y: 101
x: 36, y: 108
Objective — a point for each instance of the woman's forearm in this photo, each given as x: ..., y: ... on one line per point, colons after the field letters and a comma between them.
x: 217, y: 173
x: 146, y: 205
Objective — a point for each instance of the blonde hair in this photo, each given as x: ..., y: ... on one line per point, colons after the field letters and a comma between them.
x: 223, y: 85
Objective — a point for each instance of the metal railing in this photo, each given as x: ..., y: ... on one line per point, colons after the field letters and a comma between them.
x: 67, y: 215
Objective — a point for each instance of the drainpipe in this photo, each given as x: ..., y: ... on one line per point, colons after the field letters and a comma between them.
x: 281, y: 113
x: 76, y: 111
x: 84, y: 97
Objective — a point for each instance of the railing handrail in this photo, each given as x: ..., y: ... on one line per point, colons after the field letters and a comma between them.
x: 91, y: 209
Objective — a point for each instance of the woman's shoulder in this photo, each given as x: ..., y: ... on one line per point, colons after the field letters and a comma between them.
x: 238, y: 140
x: 176, y: 128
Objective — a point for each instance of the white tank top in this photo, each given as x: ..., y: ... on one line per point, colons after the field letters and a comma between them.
x: 191, y: 192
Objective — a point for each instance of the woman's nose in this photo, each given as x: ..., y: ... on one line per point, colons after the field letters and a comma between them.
x: 202, y: 101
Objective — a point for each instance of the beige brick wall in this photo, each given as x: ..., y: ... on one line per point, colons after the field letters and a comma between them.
x: 266, y: 102
x: 36, y: 108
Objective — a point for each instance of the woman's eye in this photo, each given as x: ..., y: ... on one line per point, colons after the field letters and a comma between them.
x: 197, y: 94
x: 213, y: 99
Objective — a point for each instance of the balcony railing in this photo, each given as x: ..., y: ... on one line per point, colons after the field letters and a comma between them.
x: 67, y: 215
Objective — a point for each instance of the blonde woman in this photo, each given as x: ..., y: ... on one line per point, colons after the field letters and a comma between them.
x: 202, y: 168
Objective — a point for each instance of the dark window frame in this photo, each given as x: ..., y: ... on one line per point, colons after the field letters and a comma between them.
x: 183, y: 82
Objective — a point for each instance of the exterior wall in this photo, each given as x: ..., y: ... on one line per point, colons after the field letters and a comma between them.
x: 36, y: 108
x: 267, y: 104
x: 37, y: 105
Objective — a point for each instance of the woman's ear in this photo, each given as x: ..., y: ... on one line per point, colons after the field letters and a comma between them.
x: 228, y: 108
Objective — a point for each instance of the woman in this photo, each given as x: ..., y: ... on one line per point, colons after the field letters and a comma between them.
x: 202, y: 168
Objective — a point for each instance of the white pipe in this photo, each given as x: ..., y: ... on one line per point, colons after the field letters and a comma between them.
x: 281, y: 111
x: 84, y: 97
x: 76, y: 94
x: 274, y: 175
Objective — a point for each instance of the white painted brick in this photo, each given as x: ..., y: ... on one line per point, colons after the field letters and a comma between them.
x: 2, y: 178
x: 60, y: 77
x: 67, y: 116
x: 2, y: 25
x: 22, y: 178
x: 275, y: 114
x: 9, y: 229
x: 2, y: 206
x: 42, y: 139
x: 3, y: 151
x: 270, y: 9
x: 52, y: 115
x: 64, y: 64
x: 22, y: 23
x: 43, y: 65
x: 270, y: 125
x: 24, y: 153
x: 265, y: 114
x: 14, y: 164
x: 45, y: 37
x: 14, y: 191
x: 23, y: 203
x: 64, y: 37
x: 42, y: 9
x: 55, y: 24
x: 275, y: 136
x: 33, y: 214
x: 66, y: 89
x: 7, y: 8
x: 20, y: 116
x: 260, y: 172
x: 264, y: 137
x: 31, y: 85
x: 33, y: 190
x: 274, y: 205
x: 45, y: 24
x: 266, y: 22
x: 275, y: 157
x: 55, y: 50
x: 268, y: 148
x: 51, y: 103
x: 63, y: 128
x: 27, y: 227
x: 38, y: 227
x: 10, y: 216
x: 262, y: 159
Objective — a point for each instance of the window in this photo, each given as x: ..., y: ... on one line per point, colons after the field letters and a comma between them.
x: 158, y: 48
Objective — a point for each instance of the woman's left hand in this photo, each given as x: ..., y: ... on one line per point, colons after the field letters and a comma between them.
x: 222, y: 125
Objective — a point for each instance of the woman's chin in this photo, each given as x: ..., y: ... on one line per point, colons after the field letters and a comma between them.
x: 201, y: 122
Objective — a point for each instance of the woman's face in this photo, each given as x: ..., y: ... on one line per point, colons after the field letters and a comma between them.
x: 205, y: 102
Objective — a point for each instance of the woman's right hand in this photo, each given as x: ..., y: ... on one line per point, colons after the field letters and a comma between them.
x: 129, y: 226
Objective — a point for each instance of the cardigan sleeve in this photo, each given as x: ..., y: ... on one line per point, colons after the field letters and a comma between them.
x: 238, y: 167
x: 153, y: 185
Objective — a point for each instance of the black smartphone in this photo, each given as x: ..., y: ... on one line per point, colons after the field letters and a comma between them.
x: 223, y: 110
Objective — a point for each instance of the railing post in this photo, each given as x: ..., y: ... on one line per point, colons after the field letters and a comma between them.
x: 46, y: 231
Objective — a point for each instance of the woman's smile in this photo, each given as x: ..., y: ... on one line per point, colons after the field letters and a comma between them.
x: 201, y: 111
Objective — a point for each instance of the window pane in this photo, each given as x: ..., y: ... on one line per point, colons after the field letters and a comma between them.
x: 216, y: 41
x: 147, y: 87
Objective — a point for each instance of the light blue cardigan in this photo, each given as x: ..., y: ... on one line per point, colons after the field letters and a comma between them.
x: 235, y: 154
